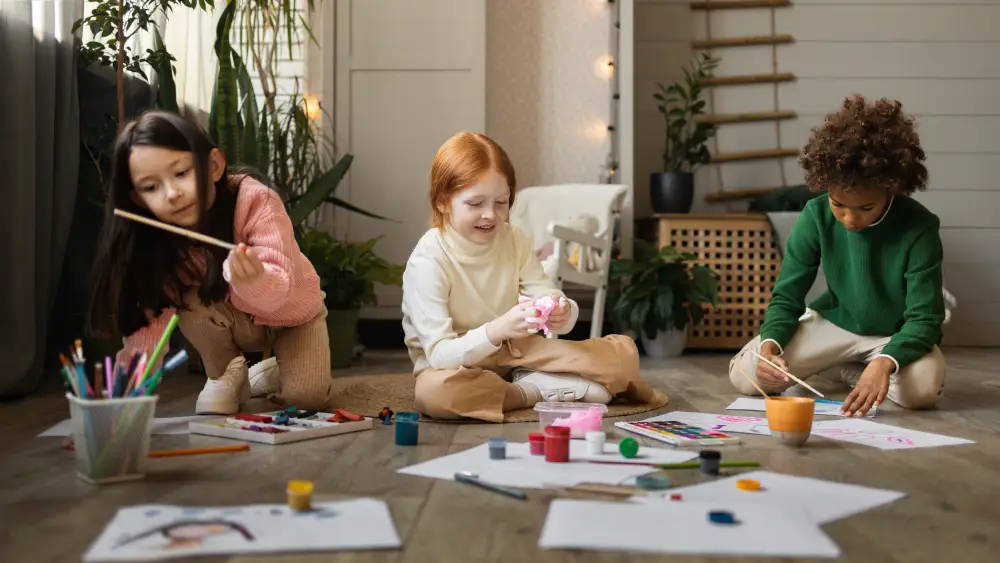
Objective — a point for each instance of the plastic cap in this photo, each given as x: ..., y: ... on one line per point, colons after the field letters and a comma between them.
x: 628, y: 447
x: 721, y: 517
x: 300, y: 487
x: 595, y: 436
x: 709, y: 454
x: 498, y: 442
x: 652, y: 482
x: 557, y: 431
x: 748, y: 485
x: 536, y: 437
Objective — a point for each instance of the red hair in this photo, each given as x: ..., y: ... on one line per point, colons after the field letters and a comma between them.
x: 461, y: 162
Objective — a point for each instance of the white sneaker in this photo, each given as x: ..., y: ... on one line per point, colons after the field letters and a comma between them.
x: 561, y: 388
x: 225, y: 394
x: 264, y: 378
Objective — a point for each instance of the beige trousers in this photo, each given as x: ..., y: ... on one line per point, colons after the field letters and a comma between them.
x: 478, y: 391
x: 819, y: 345
x: 221, y: 332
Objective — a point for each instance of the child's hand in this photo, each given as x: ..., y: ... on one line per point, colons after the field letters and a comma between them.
x: 560, y: 316
x: 243, y: 266
x: 871, y: 388
x: 766, y: 373
x: 513, y: 324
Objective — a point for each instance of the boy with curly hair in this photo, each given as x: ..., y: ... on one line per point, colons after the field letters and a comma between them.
x: 881, y: 253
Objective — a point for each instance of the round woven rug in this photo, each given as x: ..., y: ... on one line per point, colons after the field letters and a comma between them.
x: 367, y: 394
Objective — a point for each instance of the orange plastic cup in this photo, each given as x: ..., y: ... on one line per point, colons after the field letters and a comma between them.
x: 790, y: 419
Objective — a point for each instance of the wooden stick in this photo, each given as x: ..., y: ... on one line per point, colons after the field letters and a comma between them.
x: 739, y: 79
x: 195, y: 451
x: 739, y: 4
x: 720, y: 118
x: 742, y: 41
x: 741, y: 194
x: 753, y: 155
x: 174, y: 229
x: 750, y: 379
x: 797, y: 380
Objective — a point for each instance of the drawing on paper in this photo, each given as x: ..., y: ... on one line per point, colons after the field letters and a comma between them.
x: 881, y: 436
x: 183, y: 534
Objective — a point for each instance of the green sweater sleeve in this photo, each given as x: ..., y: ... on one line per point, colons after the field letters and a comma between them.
x: 924, y: 315
x: 798, y: 272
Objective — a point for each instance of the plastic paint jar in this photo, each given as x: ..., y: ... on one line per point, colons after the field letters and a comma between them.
x: 557, y: 444
x: 537, y: 442
x: 709, y: 461
x: 498, y: 448
x: 595, y: 442
x: 406, y: 428
x: 300, y: 495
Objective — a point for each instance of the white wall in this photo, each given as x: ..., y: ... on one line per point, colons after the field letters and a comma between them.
x: 938, y: 57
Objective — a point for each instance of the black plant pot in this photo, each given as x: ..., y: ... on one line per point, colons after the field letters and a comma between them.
x: 671, y: 192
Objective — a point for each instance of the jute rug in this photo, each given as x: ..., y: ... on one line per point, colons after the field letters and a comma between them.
x: 367, y: 394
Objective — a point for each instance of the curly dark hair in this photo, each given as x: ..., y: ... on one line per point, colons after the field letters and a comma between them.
x: 865, y: 146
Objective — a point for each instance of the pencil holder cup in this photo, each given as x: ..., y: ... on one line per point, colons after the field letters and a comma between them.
x: 790, y: 419
x: 111, y: 437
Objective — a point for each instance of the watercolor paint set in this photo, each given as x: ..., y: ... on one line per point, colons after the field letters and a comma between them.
x: 282, y: 427
x: 679, y: 433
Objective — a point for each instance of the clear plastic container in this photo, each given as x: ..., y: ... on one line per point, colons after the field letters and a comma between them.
x: 579, y: 417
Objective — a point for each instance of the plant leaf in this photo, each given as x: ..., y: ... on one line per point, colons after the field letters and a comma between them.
x: 319, y: 190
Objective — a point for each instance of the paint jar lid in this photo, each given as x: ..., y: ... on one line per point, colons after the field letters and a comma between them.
x: 595, y: 436
x: 709, y: 454
x: 652, y: 482
x: 536, y: 437
x: 498, y: 442
x: 721, y: 517
x: 748, y: 485
x: 557, y: 431
x: 628, y: 447
x: 300, y: 487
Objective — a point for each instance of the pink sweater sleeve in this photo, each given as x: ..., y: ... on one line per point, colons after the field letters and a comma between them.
x: 145, y: 339
x: 271, y: 238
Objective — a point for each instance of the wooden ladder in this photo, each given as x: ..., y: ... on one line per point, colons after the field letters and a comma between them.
x: 774, y: 78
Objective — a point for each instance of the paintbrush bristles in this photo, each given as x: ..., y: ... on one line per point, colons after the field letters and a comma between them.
x: 174, y: 229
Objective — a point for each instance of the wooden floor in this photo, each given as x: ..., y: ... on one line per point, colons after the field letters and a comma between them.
x: 951, y: 513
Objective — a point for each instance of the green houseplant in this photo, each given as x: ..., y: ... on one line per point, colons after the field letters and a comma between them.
x: 348, y: 273
x: 659, y: 294
x: 672, y: 190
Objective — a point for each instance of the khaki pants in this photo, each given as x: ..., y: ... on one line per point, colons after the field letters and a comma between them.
x: 819, y: 345
x: 221, y: 332
x: 478, y: 391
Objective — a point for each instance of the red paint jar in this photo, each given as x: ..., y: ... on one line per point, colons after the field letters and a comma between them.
x: 537, y: 442
x: 557, y: 444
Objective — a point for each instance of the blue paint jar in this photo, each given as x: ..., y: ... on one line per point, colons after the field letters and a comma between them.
x: 498, y: 448
x: 406, y: 428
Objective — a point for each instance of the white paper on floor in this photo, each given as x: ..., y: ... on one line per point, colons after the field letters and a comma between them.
x: 820, y: 501
x: 824, y: 407
x: 683, y: 527
x: 881, y: 436
x: 170, y: 425
x: 523, y: 470
x: 152, y: 532
x: 730, y: 423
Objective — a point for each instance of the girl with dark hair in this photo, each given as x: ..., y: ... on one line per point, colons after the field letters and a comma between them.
x: 263, y: 295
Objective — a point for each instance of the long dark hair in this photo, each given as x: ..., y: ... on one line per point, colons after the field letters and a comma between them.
x: 139, y: 267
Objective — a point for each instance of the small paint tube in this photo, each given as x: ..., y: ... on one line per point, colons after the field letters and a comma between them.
x: 498, y: 448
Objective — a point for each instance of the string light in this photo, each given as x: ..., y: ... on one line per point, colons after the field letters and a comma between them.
x: 610, y: 165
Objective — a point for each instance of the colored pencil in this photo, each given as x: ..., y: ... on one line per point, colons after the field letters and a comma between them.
x: 797, y: 380
x: 175, y: 230
x: 109, y: 375
x: 685, y: 465
x: 164, y: 338
x: 196, y: 451
x: 98, y: 383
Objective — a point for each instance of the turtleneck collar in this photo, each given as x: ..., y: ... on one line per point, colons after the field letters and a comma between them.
x: 468, y: 251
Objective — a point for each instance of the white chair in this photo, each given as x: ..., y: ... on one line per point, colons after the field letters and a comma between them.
x: 547, y: 214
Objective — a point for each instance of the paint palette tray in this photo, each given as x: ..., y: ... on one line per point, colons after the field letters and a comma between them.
x: 679, y: 433
x: 273, y: 428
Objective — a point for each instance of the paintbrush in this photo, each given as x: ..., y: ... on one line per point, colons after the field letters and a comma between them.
x: 797, y: 380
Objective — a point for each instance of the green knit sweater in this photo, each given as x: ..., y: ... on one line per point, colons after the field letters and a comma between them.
x: 882, y: 281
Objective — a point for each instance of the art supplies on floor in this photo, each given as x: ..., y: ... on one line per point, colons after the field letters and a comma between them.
x: 521, y: 469
x: 282, y: 427
x: 728, y: 423
x: 679, y: 434
x: 881, y: 436
x: 153, y: 532
x: 824, y: 407
x: 820, y: 501
x: 688, y: 527
x: 163, y: 426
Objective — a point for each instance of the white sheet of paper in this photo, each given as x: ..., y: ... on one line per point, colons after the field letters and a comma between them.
x: 881, y: 436
x: 821, y: 501
x: 682, y: 528
x: 170, y: 425
x: 722, y: 422
x: 523, y: 470
x: 137, y: 532
x: 824, y: 407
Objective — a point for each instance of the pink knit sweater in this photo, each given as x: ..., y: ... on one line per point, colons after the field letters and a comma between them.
x: 286, y: 294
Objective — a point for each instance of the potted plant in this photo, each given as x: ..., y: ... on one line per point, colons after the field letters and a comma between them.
x: 672, y: 190
x: 348, y: 273
x: 658, y: 295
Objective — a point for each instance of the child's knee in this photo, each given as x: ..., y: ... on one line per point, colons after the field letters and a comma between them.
x: 315, y: 397
x: 431, y: 399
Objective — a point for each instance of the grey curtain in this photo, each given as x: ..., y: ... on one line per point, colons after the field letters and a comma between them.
x: 39, y: 129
